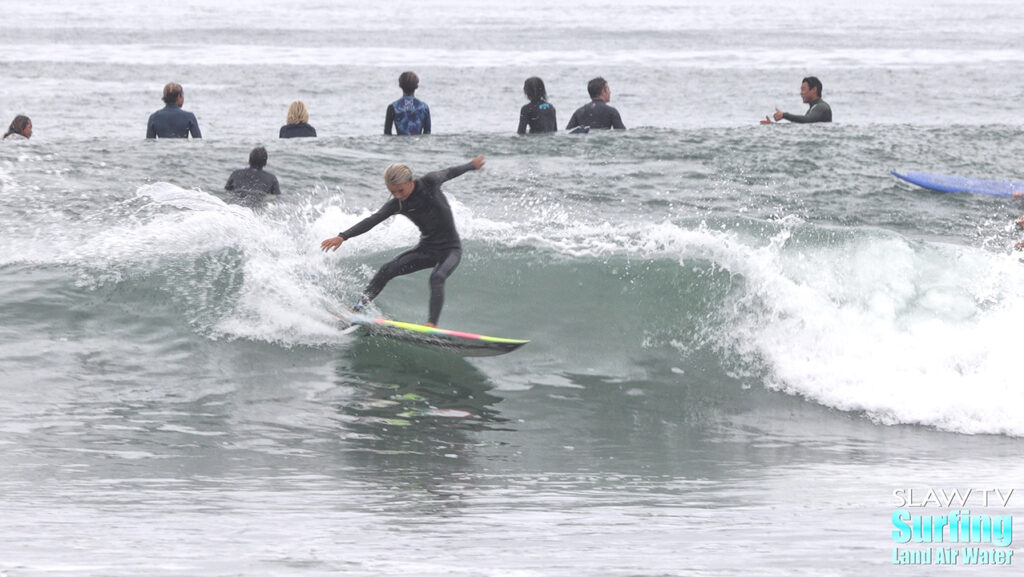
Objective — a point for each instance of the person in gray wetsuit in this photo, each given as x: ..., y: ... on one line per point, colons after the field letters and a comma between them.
x: 253, y: 184
x: 818, y: 110
x: 422, y: 202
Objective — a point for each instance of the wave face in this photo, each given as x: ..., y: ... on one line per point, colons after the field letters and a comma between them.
x: 617, y: 255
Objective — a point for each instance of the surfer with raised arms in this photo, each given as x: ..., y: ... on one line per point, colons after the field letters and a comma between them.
x: 818, y: 110
x: 421, y: 201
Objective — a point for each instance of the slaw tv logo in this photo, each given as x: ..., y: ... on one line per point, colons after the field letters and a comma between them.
x: 954, y: 535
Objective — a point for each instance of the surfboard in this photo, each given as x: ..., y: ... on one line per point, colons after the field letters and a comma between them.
x: 458, y: 342
x: 949, y: 183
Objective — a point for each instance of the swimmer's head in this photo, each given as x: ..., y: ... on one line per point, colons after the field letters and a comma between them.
x: 20, y: 125
x: 172, y: 92
x: 258, y: 157
x: 534, y: 89
x: 810, y: 88
x: 297, y: 113
x: 408, y: 82
x: 596, y: 86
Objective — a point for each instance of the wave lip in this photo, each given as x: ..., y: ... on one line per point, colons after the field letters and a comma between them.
x: 908, y: 333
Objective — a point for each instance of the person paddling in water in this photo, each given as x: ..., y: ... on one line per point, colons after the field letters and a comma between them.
x: 422, y: 202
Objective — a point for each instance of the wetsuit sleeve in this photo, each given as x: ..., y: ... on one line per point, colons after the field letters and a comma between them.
x: 573, y: 122
x: 449, y: 173
x: 230, y: 185
x: 275, y: 187
x: 426, y: 121
x: 193, y: 128
x: 617, y: 120
x: 523, y: 120
x: 389, y: 119
x: 815, y: 114
x: 150, y: 129
x: 390, y: 208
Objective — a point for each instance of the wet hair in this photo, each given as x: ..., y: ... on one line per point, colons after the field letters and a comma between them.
x: 297, y: 113
x: 409, y: 82
x: 397, y: 174
x: 18, y: 125
x: 534, y: 90
x: 258, y: 157
x: 812, y: 83
x: 595, y: 86
x: 172, y: 90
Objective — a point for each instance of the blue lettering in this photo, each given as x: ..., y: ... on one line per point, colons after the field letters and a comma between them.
x: 899, y: 520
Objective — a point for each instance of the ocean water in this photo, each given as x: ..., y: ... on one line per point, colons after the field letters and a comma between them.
x: 744, y: 339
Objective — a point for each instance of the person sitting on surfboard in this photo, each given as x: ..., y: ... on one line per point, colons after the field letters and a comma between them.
x: 171, y: 121
x: 818, y: 111
x: 597, y: 113
x: 539, y: 114
x: 422, y: 202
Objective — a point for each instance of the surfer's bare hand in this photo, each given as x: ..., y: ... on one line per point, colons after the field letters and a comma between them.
x: 778, y: 114
x: 478, y: 162
x: 1019, y: 246
x: 331, y: 244
x: 1020, y: 222
x: 766, y: 120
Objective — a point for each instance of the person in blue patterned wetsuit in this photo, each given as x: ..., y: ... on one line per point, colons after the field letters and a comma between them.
x: 422, y: 202
x: 408, y: 114
x: 539, y: 114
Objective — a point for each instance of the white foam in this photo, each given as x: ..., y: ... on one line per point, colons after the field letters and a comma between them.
x: 907, y: 332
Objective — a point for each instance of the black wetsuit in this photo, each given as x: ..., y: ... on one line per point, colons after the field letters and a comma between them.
x: 299, y: 130
x: 252, y: 184
x: 439, y: 246
x: 596, y: 114
x: 538, y: 116
x: 172, y: 122
x: 818, y: 111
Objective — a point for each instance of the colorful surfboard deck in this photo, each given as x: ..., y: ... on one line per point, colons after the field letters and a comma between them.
x: 458, y: 342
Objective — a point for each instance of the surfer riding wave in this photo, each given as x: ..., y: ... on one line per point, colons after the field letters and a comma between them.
x: 421, y: 201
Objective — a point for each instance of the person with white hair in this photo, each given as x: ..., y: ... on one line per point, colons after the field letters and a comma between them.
x: 421, y: 201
